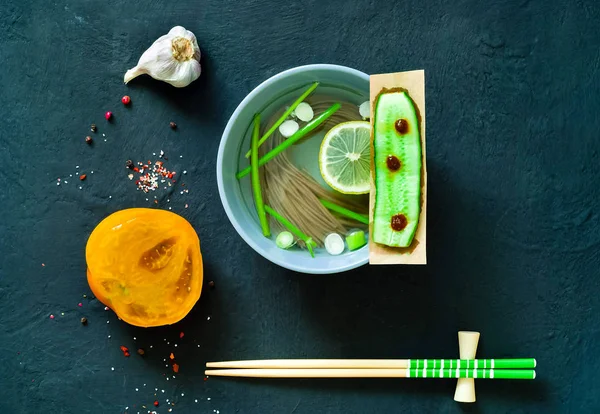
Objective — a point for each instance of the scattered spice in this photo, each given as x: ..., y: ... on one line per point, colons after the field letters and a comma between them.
x: 82, y: 177
x: 88, y: 139
x: 126, y: 100
x: 151, y: 175
x: 125, y: 350
x: 80, y: 304
x: 156, y: 403
x: 108, y: 115
x: 173, y: 125
x: 84, y: 321
x: 93, y: 128
x: 172, y: 356
x: 181, y: 335
x: 129, y: 164
x: 175, y: 368
x: 141, y: 351
x: 211, y: 284
x: 51, y: 316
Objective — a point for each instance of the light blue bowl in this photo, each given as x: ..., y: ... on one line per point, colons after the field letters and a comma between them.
x: 236, y: 195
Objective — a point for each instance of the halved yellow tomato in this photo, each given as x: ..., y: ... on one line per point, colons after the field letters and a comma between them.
x: 146, y: 265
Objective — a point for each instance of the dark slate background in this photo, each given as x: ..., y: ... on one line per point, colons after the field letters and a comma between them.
x: 513, y: 96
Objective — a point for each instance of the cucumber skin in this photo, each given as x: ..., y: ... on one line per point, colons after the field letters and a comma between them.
x: 396, y: 192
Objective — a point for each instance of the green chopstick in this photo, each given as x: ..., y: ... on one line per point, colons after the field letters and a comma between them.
x: 258, y: 200
x: 301, y: 133
x: 310, y: 244
x: 504, y: 363
x: 285, y: 115
x: 472, y: 373
x: 362, y: 218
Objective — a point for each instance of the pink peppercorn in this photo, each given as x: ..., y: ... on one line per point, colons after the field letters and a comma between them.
x: 126, y: 100
x: 51, y: 316
x: 108, y: 115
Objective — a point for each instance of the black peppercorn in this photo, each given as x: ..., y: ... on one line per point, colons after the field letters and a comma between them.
x: 173, y: 125
x: 129, y: 164
x: 84, y: 321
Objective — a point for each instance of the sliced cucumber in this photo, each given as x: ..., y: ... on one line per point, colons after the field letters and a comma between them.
x: 397, y: 162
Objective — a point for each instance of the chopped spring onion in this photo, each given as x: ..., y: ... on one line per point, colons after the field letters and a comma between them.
x: 288, y: 128
x: 361, y: 218
x: 304, y: 112
x: 285, y: 115
x: 284, y: 240
x: 302, y: 132
x: 364, y: 110
x: 356, y: 240
x: 310, y: 244
x: 334, y: 244
x: 258, y: 200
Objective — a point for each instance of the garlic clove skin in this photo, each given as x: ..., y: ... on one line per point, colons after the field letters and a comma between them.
x: 173, y: 58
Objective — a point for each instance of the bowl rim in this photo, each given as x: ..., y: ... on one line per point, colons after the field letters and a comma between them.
x: 351, y: 264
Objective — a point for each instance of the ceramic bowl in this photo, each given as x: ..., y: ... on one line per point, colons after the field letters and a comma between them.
x: 236, y: 195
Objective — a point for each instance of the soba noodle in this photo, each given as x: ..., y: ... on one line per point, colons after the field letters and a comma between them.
x: 293, y: 193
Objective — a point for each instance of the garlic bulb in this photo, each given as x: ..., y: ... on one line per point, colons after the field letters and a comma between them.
x: 173, y: 58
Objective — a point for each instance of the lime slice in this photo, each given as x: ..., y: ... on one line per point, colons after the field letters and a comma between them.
x: 344, y: 158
